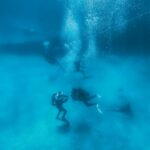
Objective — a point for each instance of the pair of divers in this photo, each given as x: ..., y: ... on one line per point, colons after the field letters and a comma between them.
x: 77, y: 94
x: 81, y: 95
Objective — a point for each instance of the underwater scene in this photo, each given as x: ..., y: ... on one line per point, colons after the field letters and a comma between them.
x: 75, y: 75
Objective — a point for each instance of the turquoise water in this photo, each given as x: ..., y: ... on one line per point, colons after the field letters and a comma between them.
x: 39, y: 44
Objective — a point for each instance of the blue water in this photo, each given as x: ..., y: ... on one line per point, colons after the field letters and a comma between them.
x: 40, y: 41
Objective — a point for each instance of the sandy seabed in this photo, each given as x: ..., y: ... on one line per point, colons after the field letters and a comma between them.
x: 27, y: 118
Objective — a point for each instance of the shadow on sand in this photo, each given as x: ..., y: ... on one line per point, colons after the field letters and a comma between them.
x: 63, y: 129
x: 82, y: 128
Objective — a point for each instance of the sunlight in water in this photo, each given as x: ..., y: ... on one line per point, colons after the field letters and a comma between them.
x: 72, y: 36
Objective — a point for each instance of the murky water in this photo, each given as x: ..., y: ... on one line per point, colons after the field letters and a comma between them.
x: 101, y: 46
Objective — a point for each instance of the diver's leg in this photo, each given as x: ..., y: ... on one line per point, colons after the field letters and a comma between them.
x: 58, y: 114
x: 64, y: 116
x: 64, y: 112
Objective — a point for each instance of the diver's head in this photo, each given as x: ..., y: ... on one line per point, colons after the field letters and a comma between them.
x: 60, y: 93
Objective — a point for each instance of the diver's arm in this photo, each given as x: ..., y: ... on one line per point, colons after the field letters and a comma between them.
x: 65, y: 98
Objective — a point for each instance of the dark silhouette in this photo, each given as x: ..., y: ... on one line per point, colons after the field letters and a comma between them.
x: 79, y: 94
x: 58, y: 99
x: 81, y: 68
x: 55, y: 51
x: 83, y: 127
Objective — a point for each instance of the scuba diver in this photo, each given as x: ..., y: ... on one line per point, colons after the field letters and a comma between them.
x: 58, y: 99
x: 79, y: 94
x: 54, y: 51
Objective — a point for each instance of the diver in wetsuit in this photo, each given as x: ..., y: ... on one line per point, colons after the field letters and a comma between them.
x: 58, y: 99
x: 79, y: 94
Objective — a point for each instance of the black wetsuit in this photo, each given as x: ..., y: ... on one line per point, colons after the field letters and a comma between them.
x: 82, y: 95
x: 58, y: 101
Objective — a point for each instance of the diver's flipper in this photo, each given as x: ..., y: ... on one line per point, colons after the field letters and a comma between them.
x: 98, y: 109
